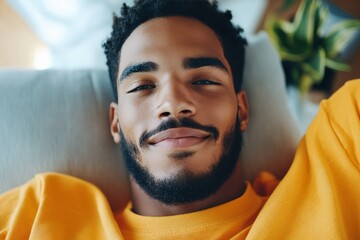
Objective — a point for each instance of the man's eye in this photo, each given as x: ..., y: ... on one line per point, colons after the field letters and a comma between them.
x: 205, y: 82
x: 142, y: 88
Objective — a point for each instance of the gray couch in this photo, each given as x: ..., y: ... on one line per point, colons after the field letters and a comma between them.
x: 57, y: 120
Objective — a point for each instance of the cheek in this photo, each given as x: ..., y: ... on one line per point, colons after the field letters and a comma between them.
x: 133, y: 117
x: 220, y: 111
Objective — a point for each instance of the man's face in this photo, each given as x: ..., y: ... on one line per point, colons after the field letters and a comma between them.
x: 178, y: 114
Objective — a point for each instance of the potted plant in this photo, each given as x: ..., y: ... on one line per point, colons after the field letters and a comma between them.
x: 306, y: 52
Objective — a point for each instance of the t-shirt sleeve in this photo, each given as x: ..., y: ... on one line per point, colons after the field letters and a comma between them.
x: 56, y: 206
x: 18, y: 208
x: 319, y: 197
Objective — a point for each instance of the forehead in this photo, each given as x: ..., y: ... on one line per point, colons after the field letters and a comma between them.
x: 168, y: 38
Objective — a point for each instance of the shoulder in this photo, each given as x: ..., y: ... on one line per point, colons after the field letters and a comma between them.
x: 319, y: 189
x: 63, y: 182
x: 41, y: 185
x: 44, y: 182
x: 49, y: 196
x: 338, y: 124
x: 347, y: 97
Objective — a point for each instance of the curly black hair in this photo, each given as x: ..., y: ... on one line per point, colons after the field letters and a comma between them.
x: 232, y: 41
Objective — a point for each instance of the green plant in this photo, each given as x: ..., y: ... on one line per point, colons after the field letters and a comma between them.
x: 303, y: 43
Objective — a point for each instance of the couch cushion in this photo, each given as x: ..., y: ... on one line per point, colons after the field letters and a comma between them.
x: 57, y: 120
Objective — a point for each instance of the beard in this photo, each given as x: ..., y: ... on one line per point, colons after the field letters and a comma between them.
x: 185, y: 186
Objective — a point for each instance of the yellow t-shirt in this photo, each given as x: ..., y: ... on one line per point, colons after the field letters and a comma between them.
x: 319, y: 198
x: 56, y: 206
x: 232, y: 220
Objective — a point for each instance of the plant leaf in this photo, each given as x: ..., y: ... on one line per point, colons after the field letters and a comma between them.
x: 352, y: 23
x: 304, y: 22
x: 339, y: 36
x: 305, y: 84
x: 321, y: 14
x: 337, y: 65
x: 315, y: 65
x: 281, y: 34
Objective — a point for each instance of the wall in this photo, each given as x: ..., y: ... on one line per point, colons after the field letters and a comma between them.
x: 19, y: 46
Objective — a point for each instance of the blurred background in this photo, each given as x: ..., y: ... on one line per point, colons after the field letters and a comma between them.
x: 68, y: 34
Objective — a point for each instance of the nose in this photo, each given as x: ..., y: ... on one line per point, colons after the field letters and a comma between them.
x: 175, y: 102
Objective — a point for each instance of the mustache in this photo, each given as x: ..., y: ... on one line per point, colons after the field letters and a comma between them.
x: 173, y: 123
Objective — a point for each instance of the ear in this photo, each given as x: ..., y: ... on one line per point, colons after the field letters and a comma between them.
x: 114, y: 122
x: 243, y: 110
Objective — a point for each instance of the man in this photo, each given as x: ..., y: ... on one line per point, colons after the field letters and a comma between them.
x: 178, y: 118
x: 176, y: 68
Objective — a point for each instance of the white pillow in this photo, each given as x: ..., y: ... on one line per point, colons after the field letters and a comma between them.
x: 272, y: 136
x: 57, y: 120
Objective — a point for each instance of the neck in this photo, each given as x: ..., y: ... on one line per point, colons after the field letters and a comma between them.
x: 145, y: 205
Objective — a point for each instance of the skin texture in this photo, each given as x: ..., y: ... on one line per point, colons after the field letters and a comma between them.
x: 171, y: 91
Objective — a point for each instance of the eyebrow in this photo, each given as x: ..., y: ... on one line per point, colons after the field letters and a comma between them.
x: 139, y: 67
x: 191, y: 63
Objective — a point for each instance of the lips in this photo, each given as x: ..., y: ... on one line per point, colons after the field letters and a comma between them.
x: 178, y: 137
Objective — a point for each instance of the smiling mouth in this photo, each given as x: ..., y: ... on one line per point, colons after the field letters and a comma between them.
x: 179, y: 142
x: 179, y: 138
